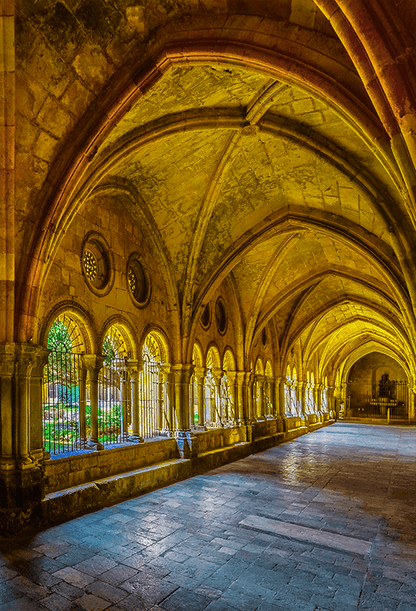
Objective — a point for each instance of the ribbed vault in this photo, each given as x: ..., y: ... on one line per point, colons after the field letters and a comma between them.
x: 258, y: 164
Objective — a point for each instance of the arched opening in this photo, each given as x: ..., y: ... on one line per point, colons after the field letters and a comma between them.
x: 62, y: 388
x: 288, y: 393
x: 114, y: 395
x: 268, y: 391
x: 196, y: 385
x: 377, y: 388
x: 258, y: 387
x: 154, y: 414
x: 227, y: 389
x: 212, y: 388
x: 324, y: 396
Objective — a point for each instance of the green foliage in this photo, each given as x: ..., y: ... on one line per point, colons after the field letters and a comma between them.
x: 109, y: 351
x: 58, y: 438
x: 60, y: 358
x: 109, y: 422
x: 58, y: 338
x: 59, y: 435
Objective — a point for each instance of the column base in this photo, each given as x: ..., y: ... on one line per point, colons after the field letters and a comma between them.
x: 25, y: 462
x: 94, y: 445
x: 186, y: 441
x: 7, y: 464
x: 166, y: 433
x: 82, y: 444
x: 135, y: 438
x: 123, y: 437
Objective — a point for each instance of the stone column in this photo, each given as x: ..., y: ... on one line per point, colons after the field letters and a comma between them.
x: 277, y: 405
x: 200, y: 375
x: 185, y: 440
x: 94, y: 363
x: 216, y: 411
x: 318, y: 396
x: 21, y: 472
x: 192, y: 401
x: 240, y: 394
x: 36, y: 405
x: 7, y: 175
x: 121, y: 370
x: 7, y: 362
x: 268, y: 398
x: 82, y: 381
x: 232, y: 413
x: 301, y: 390
x: 282, y: 398
x: 134, y: 368
x: 412, y: 398
x: 26, y: 359
x: 248, y: 386
x: 260, y: 409
x: 165, y: 411
x: 330, y: 397
x: 182, y: 375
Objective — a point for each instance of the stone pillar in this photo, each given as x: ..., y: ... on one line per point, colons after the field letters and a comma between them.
x: 330, y: 397
x: 171, y: 399
x: 301, y: 391
x: 200, y: 375
x: 260, y: 409
x: 182, y: 375
x: 282, y: 397
x: 26, y: 359
x: 21, y: 471
x: 82, y: 380
x: 270, y: 396
x: 185, y: 440
x: 7, y: 175
x: 134, y: 368
x: 232, y: 412
x: 318, y: 388
x: 412, y: 398
x: 36, y: 405
x: 7, y: 361
x: 192, y: 401
x: 248, y: 412
x: 216, y: 411
x: 240, y: 394
x: 94, y: 363
x: 121, y: 370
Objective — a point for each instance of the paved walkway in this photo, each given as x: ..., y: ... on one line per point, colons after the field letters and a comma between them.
x: 326, y: 522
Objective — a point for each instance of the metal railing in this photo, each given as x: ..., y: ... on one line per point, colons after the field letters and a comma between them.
x: 380, y: 400
x: 60, y: 402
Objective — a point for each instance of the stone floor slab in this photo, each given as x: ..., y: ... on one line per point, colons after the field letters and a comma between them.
x: 324, y: 523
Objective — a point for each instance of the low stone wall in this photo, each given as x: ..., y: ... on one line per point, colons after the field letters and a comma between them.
x: 69, y: 471
x: 77, y: 484
x: 216, y: 439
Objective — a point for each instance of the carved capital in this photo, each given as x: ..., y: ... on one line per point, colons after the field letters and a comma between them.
x: 93, y: 362
x: 134, y: 367
x: 7, y: 359
x: 21, y: 359
x: 182, y: 373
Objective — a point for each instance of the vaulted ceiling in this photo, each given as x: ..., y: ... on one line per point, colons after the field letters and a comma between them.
x: 279, y: 179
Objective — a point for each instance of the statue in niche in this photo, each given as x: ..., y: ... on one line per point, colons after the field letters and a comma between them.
x: 386, y: 387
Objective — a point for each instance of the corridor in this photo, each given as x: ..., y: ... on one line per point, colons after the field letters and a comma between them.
x: 326, y: 522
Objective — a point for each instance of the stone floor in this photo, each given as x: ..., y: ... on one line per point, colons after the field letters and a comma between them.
x: 326, y: 522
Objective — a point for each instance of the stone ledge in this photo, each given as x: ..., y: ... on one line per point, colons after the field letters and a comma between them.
x: 225, y: 448
x: 72, y: 502
x: 297, y: 432
x: 110, y: 488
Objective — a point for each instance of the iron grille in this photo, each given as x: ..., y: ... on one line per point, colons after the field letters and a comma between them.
x: 61, y: 402
x: 378, y: 399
